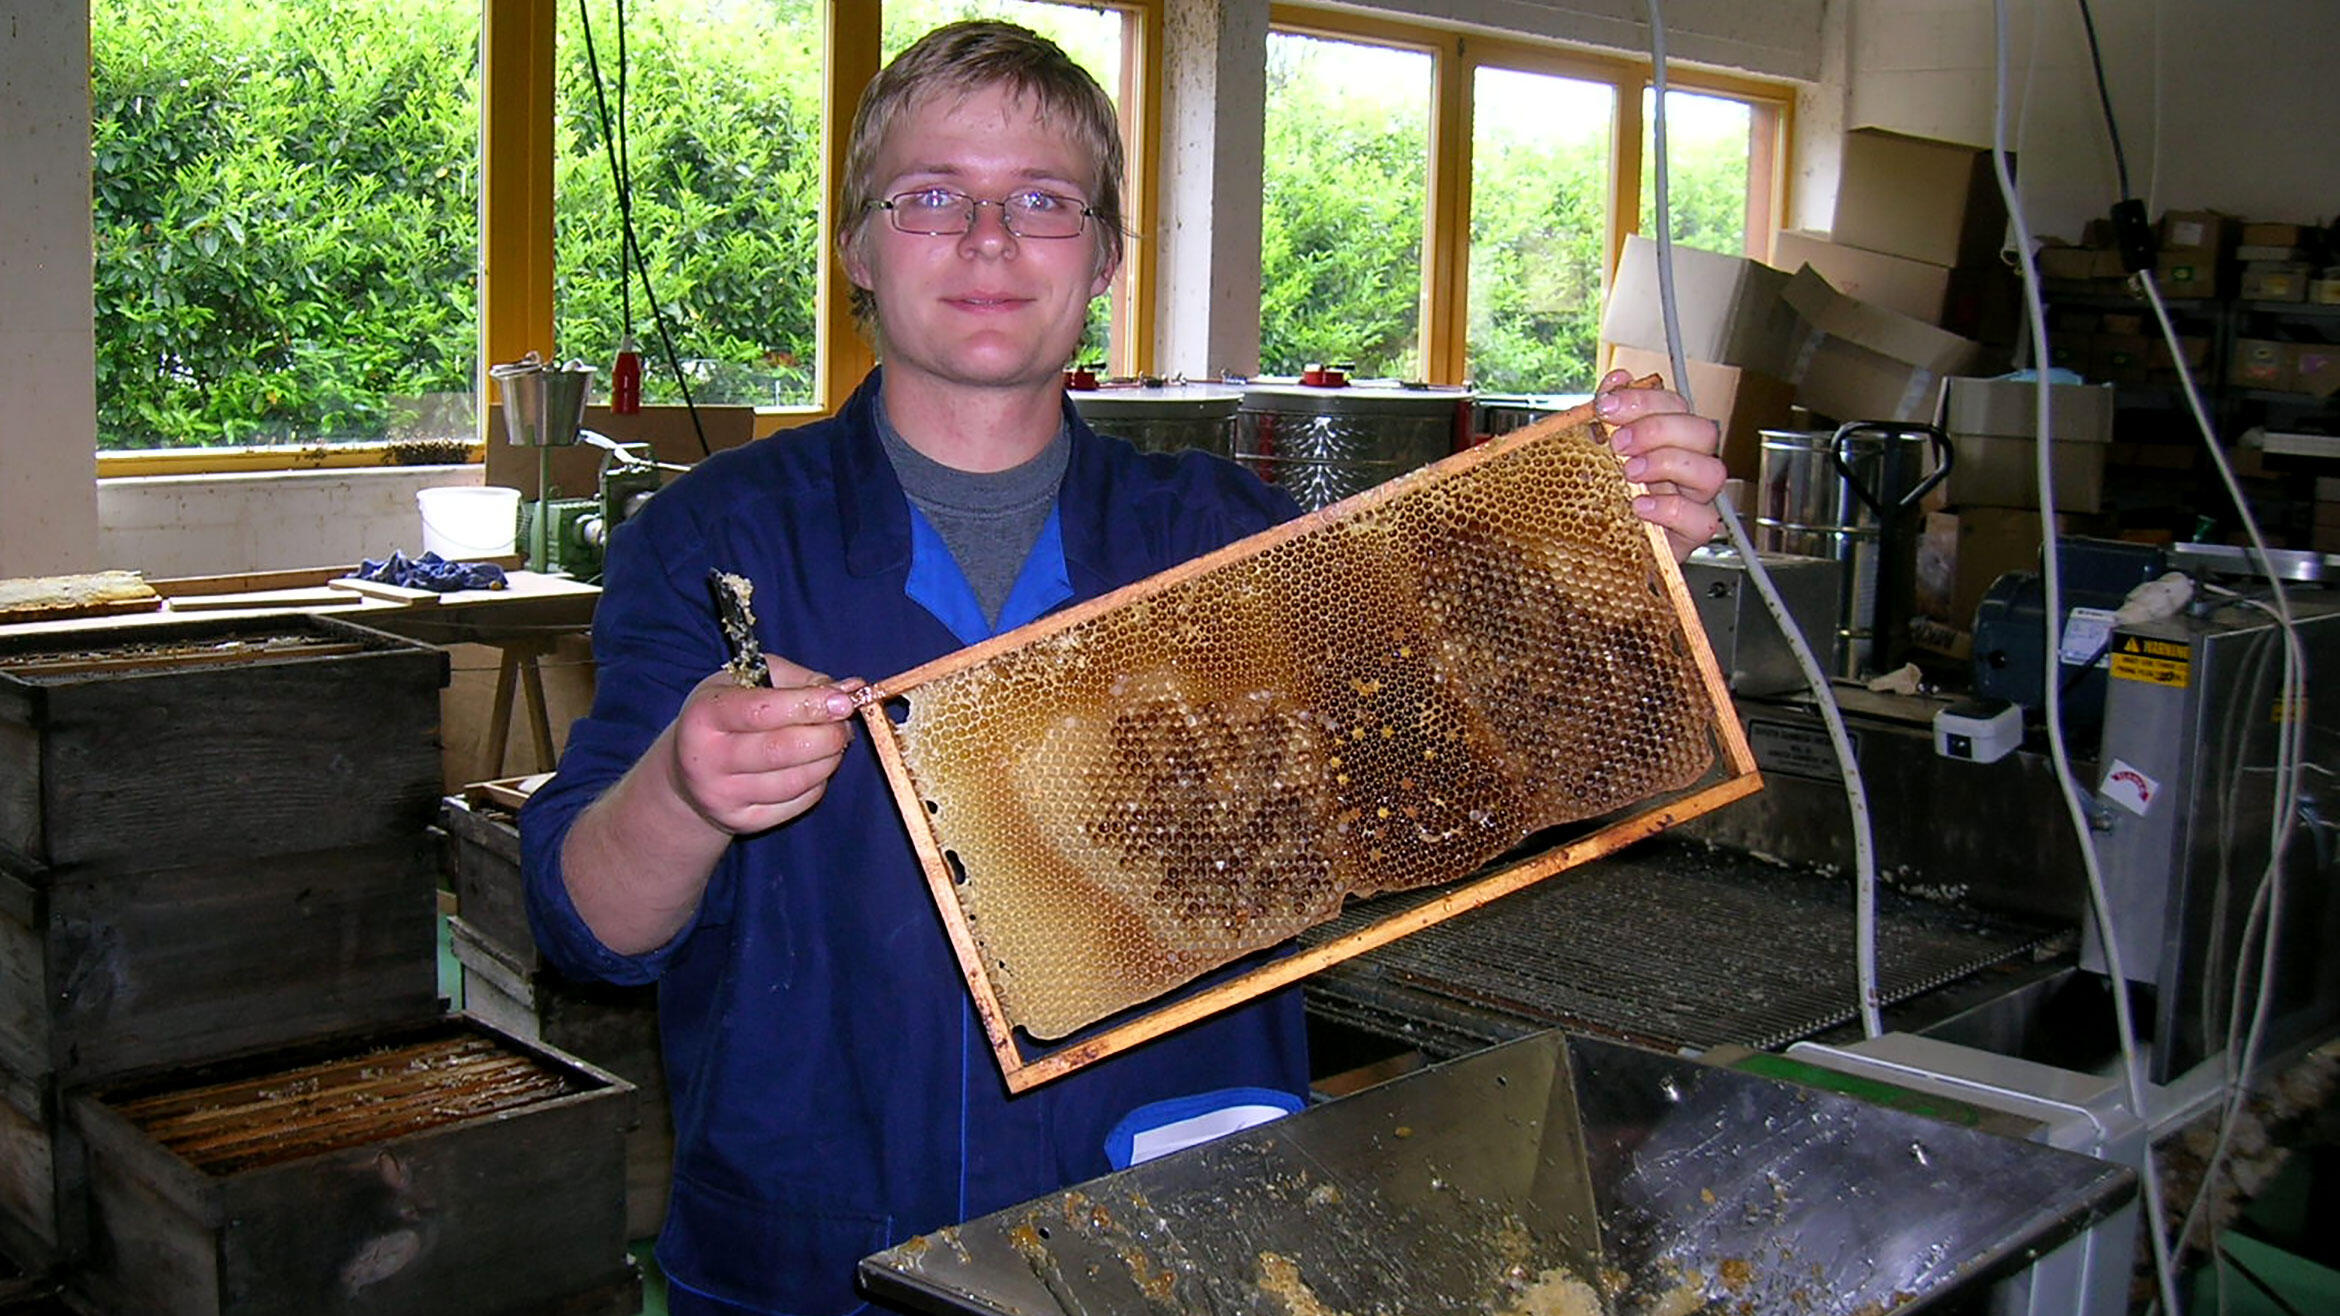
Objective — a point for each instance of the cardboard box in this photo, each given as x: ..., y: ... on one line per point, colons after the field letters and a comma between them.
x: 1993, y: 424
x: 2262, y: 363
x: 1730, y: 308
x: 1910, y: 196
x: 1918, y: 289
x: 2194, y: 348
x: 2324, y: 290
x: 1743, y: 402
x: 2071, y: 351
x: 2120, y: 359
x: 2195, y: 230
x: 2315, y: 369
x: 2275, y: 281
x: 2273, y: 235
x: 2070, y: 263
x: 1855, y: 361
x: 2187, y: 273
x: 1990, y: 542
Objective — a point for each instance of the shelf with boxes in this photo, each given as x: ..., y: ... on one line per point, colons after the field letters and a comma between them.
x: 215, y: 869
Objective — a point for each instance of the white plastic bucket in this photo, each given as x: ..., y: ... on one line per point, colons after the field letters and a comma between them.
x: 465, y: 522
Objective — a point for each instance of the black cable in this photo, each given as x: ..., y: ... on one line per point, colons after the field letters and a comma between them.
x: 2104, y: 98
x: 630, y: 248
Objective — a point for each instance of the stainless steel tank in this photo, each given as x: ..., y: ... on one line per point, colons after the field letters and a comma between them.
x: 1322, y: 444
x: 1494, y: 415
x: 1851, y: 494
x: 1163, y: 417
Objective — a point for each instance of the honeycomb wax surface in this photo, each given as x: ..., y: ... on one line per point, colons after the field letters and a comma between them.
x: 1386, y: 700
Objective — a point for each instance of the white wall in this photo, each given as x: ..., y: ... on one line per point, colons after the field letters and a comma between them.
x: 217, y: 525
x: 2222, y: 104
x: 48, y: 359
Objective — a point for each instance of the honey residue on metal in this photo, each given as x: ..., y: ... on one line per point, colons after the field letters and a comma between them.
x: 1389, y: 700
x: 380, y: 1092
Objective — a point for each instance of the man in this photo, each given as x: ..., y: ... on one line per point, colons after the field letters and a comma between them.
x: 832, y: 1091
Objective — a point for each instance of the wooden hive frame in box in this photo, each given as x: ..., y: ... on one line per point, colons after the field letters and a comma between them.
x: 1165, y: 783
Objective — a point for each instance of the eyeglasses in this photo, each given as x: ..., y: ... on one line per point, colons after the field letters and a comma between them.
x: 942, y: 212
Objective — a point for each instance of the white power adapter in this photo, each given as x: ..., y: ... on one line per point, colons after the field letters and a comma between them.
x: 1978, y: 730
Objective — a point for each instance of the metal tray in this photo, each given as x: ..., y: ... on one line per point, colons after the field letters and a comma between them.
x: 1553, y: 1175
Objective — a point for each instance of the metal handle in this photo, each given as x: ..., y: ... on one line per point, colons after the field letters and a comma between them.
x: 1875, y: 500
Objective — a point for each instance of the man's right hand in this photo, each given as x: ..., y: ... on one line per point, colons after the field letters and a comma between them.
x: 747, y: 759
x: 734, y: 761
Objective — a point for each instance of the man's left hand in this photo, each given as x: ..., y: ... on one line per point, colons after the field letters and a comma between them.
x: 1671, y: 453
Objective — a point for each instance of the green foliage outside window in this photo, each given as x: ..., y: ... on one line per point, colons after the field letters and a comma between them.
x: 1341, y: 227
x: 723, y: 136
x: 284, y: 209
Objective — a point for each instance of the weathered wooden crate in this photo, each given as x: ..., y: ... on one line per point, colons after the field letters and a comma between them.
x: 482, y: 867
x: 613, y: 1027
x: 39, y: 1167
x: 213, y: 739
x: 437, y: 1167
x: 106, y: 972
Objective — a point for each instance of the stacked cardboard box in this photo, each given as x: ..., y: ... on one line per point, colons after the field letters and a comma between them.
x: 1736, y: 335
x: 1918, y: 229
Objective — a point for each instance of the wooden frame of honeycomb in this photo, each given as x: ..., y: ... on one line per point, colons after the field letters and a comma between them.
x: 1166, y: 783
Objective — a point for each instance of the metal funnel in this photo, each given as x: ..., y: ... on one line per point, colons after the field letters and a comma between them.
x: 543, y: 403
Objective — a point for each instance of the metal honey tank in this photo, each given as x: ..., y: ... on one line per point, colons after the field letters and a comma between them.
x: 1851, y: 495
x: 1163, y: 417
x: 1322, y: 443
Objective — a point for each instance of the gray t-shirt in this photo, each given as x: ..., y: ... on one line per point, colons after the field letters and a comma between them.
x: 988, y: 519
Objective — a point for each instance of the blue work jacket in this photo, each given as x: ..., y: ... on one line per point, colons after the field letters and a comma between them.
x: 832, y: 1091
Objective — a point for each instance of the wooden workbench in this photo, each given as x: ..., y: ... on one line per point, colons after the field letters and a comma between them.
x: 523, y: 621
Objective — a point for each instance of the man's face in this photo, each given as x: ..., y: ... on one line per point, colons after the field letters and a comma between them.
x: 985, y: 307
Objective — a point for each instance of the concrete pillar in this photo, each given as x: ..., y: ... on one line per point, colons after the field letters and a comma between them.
x: 1214, y: 119
x: 48, y: 343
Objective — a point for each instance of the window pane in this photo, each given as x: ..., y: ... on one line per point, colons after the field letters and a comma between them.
x: 1539, y: 208
x: 285, y: 199
x: 1347, y: 167
x: 1707, y: 146
x: 1094, y: 38
x: 722, y: 144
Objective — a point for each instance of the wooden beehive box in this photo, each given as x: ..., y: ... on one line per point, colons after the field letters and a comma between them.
x: 613, y: 1027
x: 482, y: 867
x: 213, y: 739
x: 435, y: 1167
x: 29, y: 1182
x: 116, y: 971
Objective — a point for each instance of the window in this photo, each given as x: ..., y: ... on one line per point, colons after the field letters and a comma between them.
x: 1711, y: 146
x: 1540, y: 166
x: 284, y: 201
x: 1346, y: 154
x: 1096, y: 39
x: 721, y: 128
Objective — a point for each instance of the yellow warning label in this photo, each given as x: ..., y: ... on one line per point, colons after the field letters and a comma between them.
x: 2155, y: 662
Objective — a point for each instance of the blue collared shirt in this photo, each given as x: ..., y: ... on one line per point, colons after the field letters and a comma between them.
x: 832, y: 1092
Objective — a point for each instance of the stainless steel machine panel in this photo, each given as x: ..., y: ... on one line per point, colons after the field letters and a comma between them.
x: 1515, y: 1180
x: 2185, y: 785
x: 1164, y: 417
x: 1323, y: 444
x: 1747, y: 641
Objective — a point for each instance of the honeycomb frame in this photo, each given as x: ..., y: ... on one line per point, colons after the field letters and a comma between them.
x: 1654, y: 593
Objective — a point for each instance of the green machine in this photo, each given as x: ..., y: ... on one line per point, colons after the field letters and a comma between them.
x: 571, y: 534
x: 544, y: 408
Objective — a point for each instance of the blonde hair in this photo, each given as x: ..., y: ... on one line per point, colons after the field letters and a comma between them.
x: 967, y: 57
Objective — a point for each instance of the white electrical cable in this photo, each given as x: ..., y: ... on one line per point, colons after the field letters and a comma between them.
x: 2266, y: 903
x: 2132, y: 1064
x: 1823, y: 694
